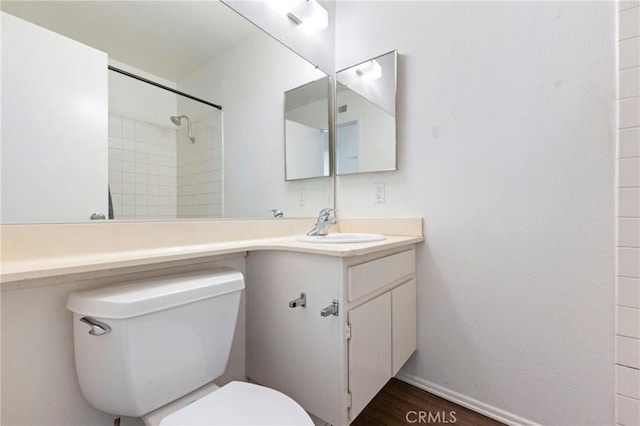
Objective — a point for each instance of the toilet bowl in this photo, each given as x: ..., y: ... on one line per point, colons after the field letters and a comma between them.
x: 236, y: 403
x: 152, y: 349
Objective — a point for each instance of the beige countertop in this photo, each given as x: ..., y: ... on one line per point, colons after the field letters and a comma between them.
x: 54, y: 266
x: 40, y: 251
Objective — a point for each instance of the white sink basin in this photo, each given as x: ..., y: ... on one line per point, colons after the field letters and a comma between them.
x: 341, y: 238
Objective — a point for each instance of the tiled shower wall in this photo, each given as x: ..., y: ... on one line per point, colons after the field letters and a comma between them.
x: 200, y: 168
x: 142, y: 169
x: 628, y: 221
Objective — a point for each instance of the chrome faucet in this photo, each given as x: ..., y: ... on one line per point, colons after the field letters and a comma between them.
x: 323, y: 223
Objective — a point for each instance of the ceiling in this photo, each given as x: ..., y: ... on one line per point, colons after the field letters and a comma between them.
x: 170, y: 39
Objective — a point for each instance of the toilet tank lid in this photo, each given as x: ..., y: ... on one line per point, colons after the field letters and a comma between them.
x: 140, y: 297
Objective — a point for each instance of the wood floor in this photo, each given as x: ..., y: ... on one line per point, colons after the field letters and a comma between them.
x: 399, y: 403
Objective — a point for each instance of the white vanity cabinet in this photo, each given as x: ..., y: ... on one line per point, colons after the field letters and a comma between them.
x: 332, y: 365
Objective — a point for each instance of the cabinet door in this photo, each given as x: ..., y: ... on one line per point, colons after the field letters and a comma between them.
x: 369, y: 351
x: 403, y: 324
x: 295, y: 350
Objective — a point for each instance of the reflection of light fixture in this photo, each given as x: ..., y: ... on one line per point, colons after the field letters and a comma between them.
x: 308, y: 14
x: 370, y: 70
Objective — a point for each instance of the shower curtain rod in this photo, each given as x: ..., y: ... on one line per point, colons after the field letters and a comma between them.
x: 153, y: 83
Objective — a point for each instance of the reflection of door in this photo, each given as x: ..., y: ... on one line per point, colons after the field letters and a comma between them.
x: 54, y: 126
x: 347, y: 148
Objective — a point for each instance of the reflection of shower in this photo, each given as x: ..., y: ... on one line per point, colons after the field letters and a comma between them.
x: 177, y: 120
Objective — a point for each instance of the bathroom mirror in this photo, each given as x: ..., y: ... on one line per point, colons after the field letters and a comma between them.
x: 158, y: 155
x: 306, y: 115
x: 366, y: 116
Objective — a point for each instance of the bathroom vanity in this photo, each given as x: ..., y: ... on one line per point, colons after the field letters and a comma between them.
x: 295, y: 350
x: 330, y: 331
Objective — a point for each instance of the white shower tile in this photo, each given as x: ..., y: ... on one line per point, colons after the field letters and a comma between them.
x: 141, y: 146
x: 115, y: 142
x: 629, y: 53
x: 164, y: 183
x: 128, y: 123
x: 629, y: 112
x: 128, y: 166
x: 128, y: 212
x: 627, y: 411
x: 128, y: 145
x: 628, y: 382
x: 115, y: 165
x: 115, y: 154
x: 629, y: 262
x: 141, y: 178
x: 629, y: 232
x: 629, y: 23
x: 628, y: 322
x: 140, y: 156
x: 128, y: 134
x: 128, y: 188
x: 627, y: 4
x: 115, y: 188
x: 115, y: 120
x: 628, y: 351
x: 629, y: 82
x: 140, y: 168
x: 115, y: 176
x: 141, y: 188
x: 628, y: 292
x: 629, y: 142
x: 142, y: 135
x: 629, y: 173
x: 152, y: 211
x: 114, y: 131
x: 141, y: 211
x: 128, y: 177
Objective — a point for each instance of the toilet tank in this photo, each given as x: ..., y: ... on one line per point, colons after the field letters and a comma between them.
x: 167, y: 336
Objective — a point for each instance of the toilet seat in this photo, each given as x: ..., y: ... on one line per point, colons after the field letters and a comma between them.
x: 239, y: 403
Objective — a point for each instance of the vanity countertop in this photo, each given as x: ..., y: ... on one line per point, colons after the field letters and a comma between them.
x: 22, y: 268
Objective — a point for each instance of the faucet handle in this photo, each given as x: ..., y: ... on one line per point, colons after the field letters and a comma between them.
x: 326, y: 212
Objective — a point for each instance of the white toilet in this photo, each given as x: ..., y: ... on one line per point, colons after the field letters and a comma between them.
x: 152, y: 348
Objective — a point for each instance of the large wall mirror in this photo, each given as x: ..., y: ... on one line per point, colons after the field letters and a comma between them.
x: 78, y: 139
x: 366, y: 116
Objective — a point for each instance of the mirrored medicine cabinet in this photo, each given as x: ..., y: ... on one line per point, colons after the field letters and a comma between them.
x: 365, y: 122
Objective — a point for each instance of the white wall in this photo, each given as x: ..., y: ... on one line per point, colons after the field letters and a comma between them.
x: 505, y: 123
x: 254, y: 128
x: 628, y: 214
x: 54, y: 114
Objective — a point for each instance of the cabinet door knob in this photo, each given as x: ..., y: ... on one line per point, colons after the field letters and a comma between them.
x: 330, y: 310
x: 300, y: 301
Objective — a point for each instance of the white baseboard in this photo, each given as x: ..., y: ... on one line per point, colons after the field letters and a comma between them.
x: 465, y: 401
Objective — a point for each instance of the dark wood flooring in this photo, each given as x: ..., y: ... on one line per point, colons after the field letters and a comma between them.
x: 399, y: 403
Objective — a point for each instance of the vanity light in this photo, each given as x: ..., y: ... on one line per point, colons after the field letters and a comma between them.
x: 309, y: 15
x: 370, y: 70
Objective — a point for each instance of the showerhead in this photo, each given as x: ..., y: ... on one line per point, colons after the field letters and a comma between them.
x: 177, y: 120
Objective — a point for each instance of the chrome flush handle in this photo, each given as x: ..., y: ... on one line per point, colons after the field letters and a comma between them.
x: 98, y: 328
